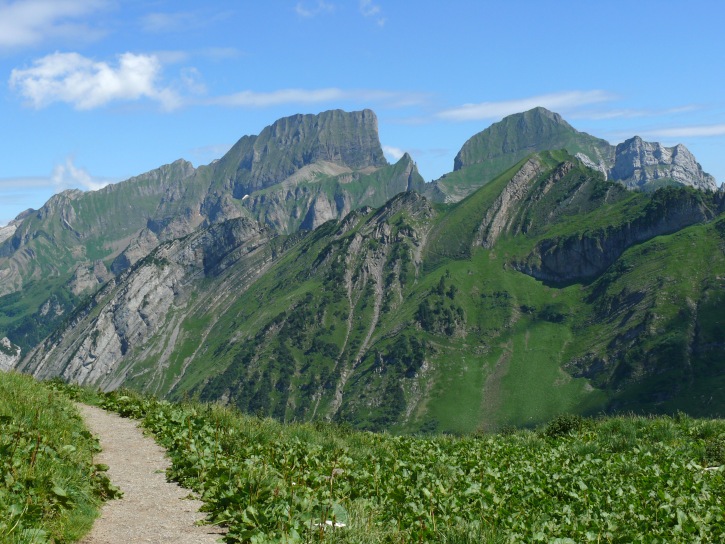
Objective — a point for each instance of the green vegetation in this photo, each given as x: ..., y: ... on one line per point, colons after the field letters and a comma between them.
x: 494, y: 150
x: 612, y: 479
x: 50, y: 489
x: 401, y: 319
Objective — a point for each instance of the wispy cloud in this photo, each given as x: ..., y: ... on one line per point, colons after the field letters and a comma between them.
x: 394, y: 153
x: 215, y: 54
x: 22, y: 184
x: 372, y: 11
x: 208, y: 153
x: 253, y: 99
x: 16, y: 193
x: 65, y: 175
x: 221, y: 53
x: 697, y: 131
x: 69, y: 176
x: 604, y: 114
x: 561, y: 102
x: 181, y: 21
x: 30, y: 22
x: 312, y: 9
x: 87, y: 84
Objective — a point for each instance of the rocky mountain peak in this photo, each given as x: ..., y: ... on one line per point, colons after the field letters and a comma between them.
x: 348, y: 139
x: 638, y: 162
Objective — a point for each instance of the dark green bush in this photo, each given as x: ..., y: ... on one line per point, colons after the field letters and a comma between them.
x: 715, y: 450
x: 563, y: 425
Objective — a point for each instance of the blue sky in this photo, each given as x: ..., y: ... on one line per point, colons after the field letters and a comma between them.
x: 97, y: 91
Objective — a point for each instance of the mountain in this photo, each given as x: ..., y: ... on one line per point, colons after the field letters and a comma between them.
x: 527, y: 298
x: 298, y: 173
x: 634, y: 163
x: 303, y: 277
x: 639, y: 164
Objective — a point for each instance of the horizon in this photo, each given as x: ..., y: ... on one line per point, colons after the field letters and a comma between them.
x: 96, y: 92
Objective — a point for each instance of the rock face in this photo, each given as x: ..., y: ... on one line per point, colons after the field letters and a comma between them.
x: 634, y: 163
x: 297, y: 173
x: 136, y: 306
x: 299, y: 203
x: 498, y: 217
x: 638, y: 163
x: 338, y: 137
x: 585, y: 255
x: 9, y: 355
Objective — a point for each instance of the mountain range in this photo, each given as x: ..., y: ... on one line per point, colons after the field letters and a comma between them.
x: 303, y: 277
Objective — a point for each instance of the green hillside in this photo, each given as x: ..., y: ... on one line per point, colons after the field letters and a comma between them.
x: 492, y: 151
x: 548, y: 290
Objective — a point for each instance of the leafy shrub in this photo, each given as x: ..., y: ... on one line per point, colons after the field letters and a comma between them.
x: 563, y: 425
x: 715, y: 450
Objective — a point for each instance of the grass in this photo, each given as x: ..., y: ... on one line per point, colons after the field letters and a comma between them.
x: 606, y: 479
x: 50, y: 489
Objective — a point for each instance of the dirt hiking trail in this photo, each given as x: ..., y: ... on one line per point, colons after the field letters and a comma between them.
x: 152, y: 509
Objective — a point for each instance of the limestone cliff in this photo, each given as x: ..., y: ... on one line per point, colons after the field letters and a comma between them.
x: 281, y: 149
x: 639, y: 163
x: 297, y: 173
x: 634, y: 163
x: 585, y: 255
x: 105, y: 335
x: 9, y: 355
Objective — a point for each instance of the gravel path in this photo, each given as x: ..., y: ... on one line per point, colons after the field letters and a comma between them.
x: 152, y: 509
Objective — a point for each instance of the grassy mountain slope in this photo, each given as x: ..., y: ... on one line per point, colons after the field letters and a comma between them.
x: 423, y: 317
x: 485, y: 155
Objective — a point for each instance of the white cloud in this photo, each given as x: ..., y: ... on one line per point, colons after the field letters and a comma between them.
x: 697, y: 131
x: 309, y: 9
x: 29, y: 22
x: 69, y: 176
x: 559, y: 102
x: 192, y: 81
x: 12, y: 185
x: 598, y: 115
x: 369, y: 9
x: 221, y: 53
x: 253, y: 99
x: 216, y: 54
x: 88, y: 84
x: 394, y: 153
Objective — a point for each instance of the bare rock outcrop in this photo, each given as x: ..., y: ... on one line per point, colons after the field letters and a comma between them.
x: 9, y: 355
x: 131, y: 309
x: 638, y: 162
x: 586, y: 254
x: 499, y: 215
